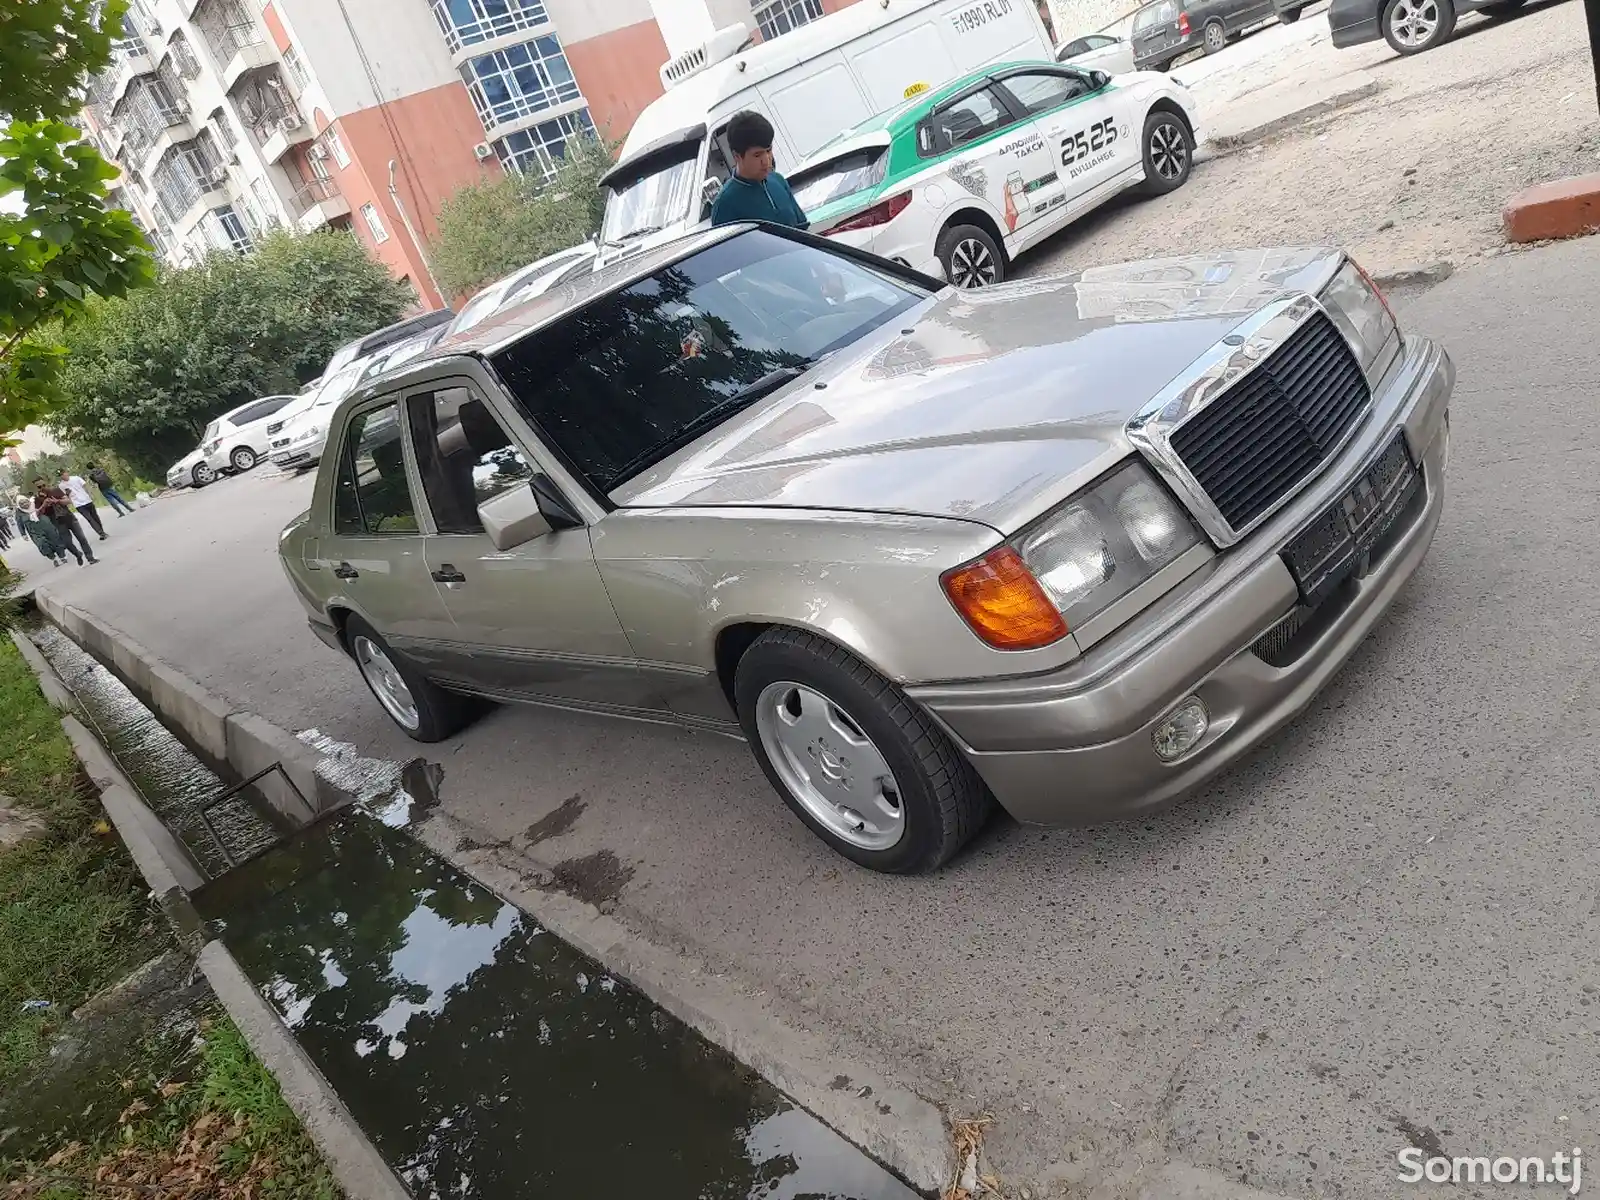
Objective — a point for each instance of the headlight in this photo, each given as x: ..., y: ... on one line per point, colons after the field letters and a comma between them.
x: 1364, y: 317
x: 1072, y: 564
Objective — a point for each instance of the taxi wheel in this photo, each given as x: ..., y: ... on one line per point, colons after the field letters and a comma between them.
x: 420, y: 707
x: 970, y: 257
x: 864, y: 768
x: 1168, y: 152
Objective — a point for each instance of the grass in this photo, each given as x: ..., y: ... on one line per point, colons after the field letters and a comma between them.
x: 225, y: 1133
x: 73, y: 913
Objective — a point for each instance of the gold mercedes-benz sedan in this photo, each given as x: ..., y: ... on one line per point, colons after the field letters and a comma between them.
x: 1070, y: 544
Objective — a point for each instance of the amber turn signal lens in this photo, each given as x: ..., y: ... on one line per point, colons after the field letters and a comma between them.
x: 999, y: 597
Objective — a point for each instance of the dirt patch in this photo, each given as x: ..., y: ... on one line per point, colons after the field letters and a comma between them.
x: 595, y: 879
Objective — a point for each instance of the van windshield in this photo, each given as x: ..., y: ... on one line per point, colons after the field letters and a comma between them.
x: 659, y: 199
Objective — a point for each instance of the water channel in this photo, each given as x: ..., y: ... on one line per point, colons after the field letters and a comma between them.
x: 482, y: 1055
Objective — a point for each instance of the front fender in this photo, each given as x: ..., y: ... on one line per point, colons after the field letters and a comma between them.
x: 679, y: 577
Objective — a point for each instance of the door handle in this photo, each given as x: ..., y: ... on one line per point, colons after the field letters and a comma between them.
x: 448, y: 574
x: 345, y: 571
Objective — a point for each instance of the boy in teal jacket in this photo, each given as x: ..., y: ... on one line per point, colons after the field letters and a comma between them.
x: 755, y: 192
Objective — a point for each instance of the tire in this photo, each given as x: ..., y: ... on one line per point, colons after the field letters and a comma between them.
x: 200, y: 475
x: 438, y: 713
x: 960, y: 245
x: 1288, y: 16
x: 1400, y: 15
x: 1215, y: 37
x: 242, y: 459
x: 940, y: 800
x: 1168, y: 149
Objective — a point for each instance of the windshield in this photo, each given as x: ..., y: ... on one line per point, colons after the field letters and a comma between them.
x: 627, y: 380
x: 212, y: 430
x: 339, y: 385
x: 844, y: 176
x: 653, y: 201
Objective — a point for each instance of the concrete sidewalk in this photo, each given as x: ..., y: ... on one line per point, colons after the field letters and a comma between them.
x: 1377, y: 933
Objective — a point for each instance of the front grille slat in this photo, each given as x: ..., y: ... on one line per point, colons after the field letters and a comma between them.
x: 1274, y: 428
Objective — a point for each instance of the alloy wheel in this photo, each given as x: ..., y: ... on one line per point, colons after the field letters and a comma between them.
x: 385, y: 681
x: 203, y: 473
x: 830, y: 766
x: 1414, y: 22
x: 243, y: 458
x: 971, y: 264
x: 1169, y: 150
x: 1215, y: 38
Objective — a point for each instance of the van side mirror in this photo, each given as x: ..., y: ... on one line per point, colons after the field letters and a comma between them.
x: 710, y: 189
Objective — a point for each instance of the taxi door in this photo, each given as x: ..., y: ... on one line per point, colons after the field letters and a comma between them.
x: 1084, y: 129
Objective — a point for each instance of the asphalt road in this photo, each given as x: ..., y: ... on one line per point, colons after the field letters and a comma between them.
x: 1379, y: 931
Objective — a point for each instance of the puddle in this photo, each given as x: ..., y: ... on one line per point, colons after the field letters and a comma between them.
x: 172, y: 780
x: 487, y: 1058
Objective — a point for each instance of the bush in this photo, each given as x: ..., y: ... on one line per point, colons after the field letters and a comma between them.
x: 489, y: 229
x: 145, y: 373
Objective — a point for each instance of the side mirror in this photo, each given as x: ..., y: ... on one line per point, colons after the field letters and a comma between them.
x: 1098, y: 79
x: 512, y: 518
x: 710, y: 189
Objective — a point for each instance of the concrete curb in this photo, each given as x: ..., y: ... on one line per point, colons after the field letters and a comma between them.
x: 1561, y: 208
x: 57, y: 694
x: 1285, y: 122
x: 910, y: 1138
x: 172, y: 875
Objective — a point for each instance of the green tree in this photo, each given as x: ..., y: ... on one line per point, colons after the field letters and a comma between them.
x: 146, y: 372
x: 64, y: 246
x: 489, y: 229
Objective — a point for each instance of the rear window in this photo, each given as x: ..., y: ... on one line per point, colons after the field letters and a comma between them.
x: 1155, y: 14
x: 843, y: 176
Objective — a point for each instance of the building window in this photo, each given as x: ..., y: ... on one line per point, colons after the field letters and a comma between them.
x: 467, y: 22
x: 336, y: 148
x: 369, y: 213
x: 777, y: 17
x: 537, y: 151
x: 519, y: 81
x: 296, y: 69
x: 224, y: 128
x: 265, y: 200
x: 184, y: 173
x: 227, y: 231
x: 183, y: 56
x: 317, y: 160
x: 227, y: 27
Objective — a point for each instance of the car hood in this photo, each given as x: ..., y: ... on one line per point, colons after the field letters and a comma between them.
x: 986, y: 406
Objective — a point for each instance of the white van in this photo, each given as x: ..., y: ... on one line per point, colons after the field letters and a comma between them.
x: 811, y: 83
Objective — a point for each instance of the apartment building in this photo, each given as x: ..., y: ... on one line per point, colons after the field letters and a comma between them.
x: 227, y: 117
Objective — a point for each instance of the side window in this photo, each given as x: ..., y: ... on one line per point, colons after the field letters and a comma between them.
x: 1073, y: 49
x: 968, y: 119
x: 371, y: 493
x: 1099, y: 41
x: 1039, y: 92
x: 464, y: 455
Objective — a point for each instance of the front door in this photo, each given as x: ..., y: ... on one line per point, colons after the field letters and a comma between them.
x: 1084, y: 127
x: 534, y: 620
x: 999, y: 156
x: 375, y: 548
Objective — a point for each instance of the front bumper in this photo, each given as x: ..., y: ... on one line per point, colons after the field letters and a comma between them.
x: 1074, y: 747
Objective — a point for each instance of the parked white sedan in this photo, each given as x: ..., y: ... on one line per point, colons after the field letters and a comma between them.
x: 233, y: 443
x: 1098, y: 52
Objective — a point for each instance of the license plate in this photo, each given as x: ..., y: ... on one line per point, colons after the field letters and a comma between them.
x: 1336, y: 544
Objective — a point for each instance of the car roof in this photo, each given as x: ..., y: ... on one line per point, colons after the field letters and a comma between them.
x: 515, y: 321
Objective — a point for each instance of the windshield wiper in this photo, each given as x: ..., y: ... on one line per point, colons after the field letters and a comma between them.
x: 633, y: 235
x: 715, y: 415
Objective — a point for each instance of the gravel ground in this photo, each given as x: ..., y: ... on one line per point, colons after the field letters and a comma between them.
x: 1416, y: 174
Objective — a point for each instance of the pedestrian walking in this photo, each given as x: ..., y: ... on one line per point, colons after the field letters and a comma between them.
x: 78, y: 492
x: 40, y: 532
x: 56, y: 506
x: 101, y: 478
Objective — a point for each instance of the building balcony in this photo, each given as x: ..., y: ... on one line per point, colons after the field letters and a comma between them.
x: 244, y: 58
x: 285, y: 131
x: 318, y: 203
x: 524, y: 112
x: 130, y: 58
x: 213, y: 194
x: 520, y: 21
x: 177, y: 130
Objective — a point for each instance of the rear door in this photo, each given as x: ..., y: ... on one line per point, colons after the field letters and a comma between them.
x: 374, y: 547
x: 531, y: 621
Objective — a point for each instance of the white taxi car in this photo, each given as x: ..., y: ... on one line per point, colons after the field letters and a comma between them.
x: 957, y: 181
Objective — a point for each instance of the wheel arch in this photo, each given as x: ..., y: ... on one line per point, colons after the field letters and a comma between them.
x: 735, y: 638
x: 971, y: 214
x: 1168, y: 105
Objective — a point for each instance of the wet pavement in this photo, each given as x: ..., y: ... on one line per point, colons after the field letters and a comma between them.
x: 486, y: 1058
